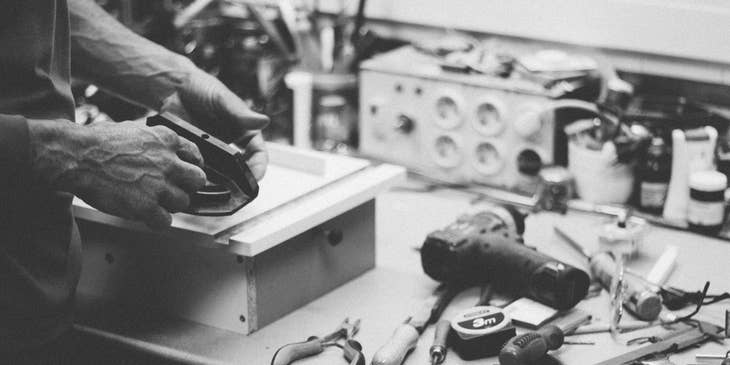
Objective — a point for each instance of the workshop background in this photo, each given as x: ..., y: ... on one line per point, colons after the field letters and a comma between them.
x: 575, y: 127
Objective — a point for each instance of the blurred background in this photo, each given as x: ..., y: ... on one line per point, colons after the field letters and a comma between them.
x: 608, y: 95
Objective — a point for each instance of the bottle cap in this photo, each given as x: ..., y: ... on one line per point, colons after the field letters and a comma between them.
x: 708, y: 181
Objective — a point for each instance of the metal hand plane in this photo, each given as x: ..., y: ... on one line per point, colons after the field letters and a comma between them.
x: 230, y: 184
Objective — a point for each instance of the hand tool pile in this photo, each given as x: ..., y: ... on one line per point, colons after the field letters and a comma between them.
x: 486, y: 249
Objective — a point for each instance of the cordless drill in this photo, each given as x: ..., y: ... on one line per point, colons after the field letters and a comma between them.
x: 487, y: 247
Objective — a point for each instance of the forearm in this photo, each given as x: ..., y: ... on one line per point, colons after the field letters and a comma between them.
x: 39, y: 152
x: 111, y: 56
x: 55, y: 151
x: 14, y: 152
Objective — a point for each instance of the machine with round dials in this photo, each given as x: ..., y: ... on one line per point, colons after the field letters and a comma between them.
x: 460, y: 128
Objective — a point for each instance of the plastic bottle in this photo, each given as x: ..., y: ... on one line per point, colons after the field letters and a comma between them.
x: 654, y: 174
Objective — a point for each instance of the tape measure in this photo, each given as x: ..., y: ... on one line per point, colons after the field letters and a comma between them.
x: 479, y: 321
x: 480, y: 332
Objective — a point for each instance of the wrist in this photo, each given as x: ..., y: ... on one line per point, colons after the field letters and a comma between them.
x: 55, y: 151
x: 185, y: 71
x: 175, y: 74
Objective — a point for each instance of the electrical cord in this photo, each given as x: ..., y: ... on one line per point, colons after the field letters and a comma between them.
x: 674, y: 298
x: 700, y: 303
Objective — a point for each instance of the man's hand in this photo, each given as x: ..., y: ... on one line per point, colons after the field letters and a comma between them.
x: 203, y: 100
x: 126, y: 169
x: 114, y: 58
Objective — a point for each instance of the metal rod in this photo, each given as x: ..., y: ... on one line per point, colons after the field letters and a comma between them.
x: 572, y: 243
x: 701, y: 357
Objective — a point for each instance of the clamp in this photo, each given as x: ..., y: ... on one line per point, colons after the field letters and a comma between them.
x: 352, y: 350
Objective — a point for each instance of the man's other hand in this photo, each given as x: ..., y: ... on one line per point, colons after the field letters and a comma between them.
x: 126, y: 169
x: 206, y: 102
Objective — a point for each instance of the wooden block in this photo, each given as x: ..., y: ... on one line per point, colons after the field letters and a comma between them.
x: 216, y: 287
x: 241, y: 272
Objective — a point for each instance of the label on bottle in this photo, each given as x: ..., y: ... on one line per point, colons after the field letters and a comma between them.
x: 653, y: 194
x: 705, y: 213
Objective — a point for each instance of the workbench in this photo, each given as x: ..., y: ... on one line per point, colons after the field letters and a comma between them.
x: 385, y: 296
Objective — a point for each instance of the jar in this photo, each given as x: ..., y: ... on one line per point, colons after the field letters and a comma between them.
x: 706, y: 208
x: 331, y: 129
x: 555, y: 189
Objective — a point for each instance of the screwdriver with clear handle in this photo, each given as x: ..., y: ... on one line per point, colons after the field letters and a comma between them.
x: 643, y: 302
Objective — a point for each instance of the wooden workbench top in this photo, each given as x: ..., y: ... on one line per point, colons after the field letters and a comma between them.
x: 385, y: 296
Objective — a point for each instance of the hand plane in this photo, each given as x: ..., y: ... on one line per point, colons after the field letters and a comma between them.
x: 230, y: 184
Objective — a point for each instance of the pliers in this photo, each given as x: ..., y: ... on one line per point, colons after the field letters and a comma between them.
x: 352, y: 350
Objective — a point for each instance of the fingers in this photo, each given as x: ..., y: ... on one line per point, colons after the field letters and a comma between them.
x: 166, y: 136
x: 257, y: 164
x: 187, y: 176
x: 174, y: 199
x: 170, y: 199
x: 182, y: 176
x: 189, y: 152
x: 256, y: 156
x: 234, y: 110
x: 216, y: 108
x: 156, y: 217
x: 185, y: 172
x: 245, y: 138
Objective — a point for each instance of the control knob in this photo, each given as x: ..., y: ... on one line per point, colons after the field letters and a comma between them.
x: 528, y: 124
x: 404, y: 124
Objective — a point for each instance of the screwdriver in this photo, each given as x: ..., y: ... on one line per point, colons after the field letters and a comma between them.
x: 399, y: 345
x: 644, y: 303
x: 438, y: 349
x: 529, y: 347
x: 405, y: 337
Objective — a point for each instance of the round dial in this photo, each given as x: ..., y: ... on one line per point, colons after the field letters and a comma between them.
x: 488, y: 118
x: 404, y: 124
x: 448, y: 112
x: 447, y: 152
x: 487, y: 160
